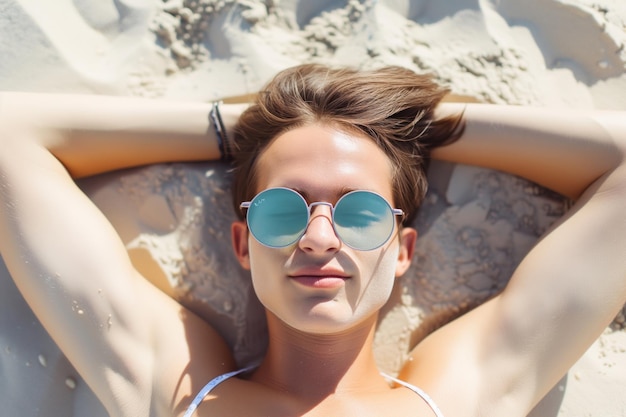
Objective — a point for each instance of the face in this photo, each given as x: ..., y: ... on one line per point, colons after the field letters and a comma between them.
x: 318, y: 284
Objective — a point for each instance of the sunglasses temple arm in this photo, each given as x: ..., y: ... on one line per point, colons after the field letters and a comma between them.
x: 245, y: 205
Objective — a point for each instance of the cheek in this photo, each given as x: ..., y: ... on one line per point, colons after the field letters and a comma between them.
x: 266, y: 268
x: 379, y: 278
x: 260, y: 261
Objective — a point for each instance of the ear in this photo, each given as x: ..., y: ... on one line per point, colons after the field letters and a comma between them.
x: 408, y: 237
x: 239, y: 237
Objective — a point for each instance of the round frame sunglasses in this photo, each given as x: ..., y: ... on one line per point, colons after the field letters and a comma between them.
x: 278, y: 217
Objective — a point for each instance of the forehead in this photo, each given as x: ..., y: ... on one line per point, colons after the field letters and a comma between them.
x: 324, y: 162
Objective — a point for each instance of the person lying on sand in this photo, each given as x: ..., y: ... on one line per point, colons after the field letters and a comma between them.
x: 330, y: 168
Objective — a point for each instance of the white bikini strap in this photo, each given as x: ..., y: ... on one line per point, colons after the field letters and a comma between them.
x: 209, y: 387
x: 419, y: 392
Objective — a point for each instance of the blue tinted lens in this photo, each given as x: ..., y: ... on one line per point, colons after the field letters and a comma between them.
x: 363, y: 220
x: 277, y: 217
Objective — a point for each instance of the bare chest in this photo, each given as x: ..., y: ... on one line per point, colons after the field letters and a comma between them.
x: 241, y: 398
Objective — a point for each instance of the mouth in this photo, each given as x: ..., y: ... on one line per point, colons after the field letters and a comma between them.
x: 319, y: 278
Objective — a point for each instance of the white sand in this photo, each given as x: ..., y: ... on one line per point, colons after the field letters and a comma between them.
x: 475, y: 226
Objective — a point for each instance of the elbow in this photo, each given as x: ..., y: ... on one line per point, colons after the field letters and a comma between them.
x: 613, y: 124
x: 605, y: 159
x: 21, y: 125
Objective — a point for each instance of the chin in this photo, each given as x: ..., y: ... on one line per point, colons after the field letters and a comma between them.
x: 323, y: 329
x: 327, y: 325
x: 327, y: 317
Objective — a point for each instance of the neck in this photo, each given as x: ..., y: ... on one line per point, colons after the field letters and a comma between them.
x: 315, y: 366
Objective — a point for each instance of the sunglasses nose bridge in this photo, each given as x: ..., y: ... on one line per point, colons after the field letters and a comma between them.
x: 317, y: 204
x: 319, y: 230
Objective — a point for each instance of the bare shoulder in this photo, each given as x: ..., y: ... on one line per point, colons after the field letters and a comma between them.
x: 187, y: 353
x: 449, y: 364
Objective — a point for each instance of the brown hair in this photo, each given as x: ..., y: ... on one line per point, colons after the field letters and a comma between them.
x: 392, y: 105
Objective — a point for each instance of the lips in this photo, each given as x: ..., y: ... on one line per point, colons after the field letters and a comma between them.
x: 320, y: 278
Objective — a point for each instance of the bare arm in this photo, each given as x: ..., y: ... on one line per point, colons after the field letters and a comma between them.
x: 94, y: 134
x: 70, y: 264
x: 563, y: 150
x: 505, y: 355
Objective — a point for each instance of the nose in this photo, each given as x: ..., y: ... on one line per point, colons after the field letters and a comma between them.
x: 319, y: 236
